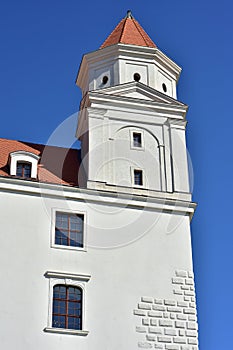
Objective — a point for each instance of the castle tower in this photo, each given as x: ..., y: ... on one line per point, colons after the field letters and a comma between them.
x: 132, y: 129
x: 131, y: 124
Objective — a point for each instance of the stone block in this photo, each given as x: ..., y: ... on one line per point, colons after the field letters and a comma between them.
x: 144, y: 345
x: 181, y: 317
x: 169, y: 331
x: 169, y: 302
x: 155, y: 330
x: 177, y: 280
x: 164, y: 339
x: 171, y: 347
x: 144, y: 306
x: 174, y: 309
x: 139, y: 312
x: 180, y: 324
x: 189, y: 281
x: 181, y: 273
x: 191, y: 325
x: 182, y: 303
x: 147, y: 299
x: 177, y: 291
x: 145, y: 321
x: 153, y: 322
x: 179, y: 340
x: 150, y: 337
x: 189, y: 311
x: 141, y: 329
x: 158, y: 307
x: 166, y: 323
x: 191, y: 333
x: 192, y: 341
x: 155, y: 314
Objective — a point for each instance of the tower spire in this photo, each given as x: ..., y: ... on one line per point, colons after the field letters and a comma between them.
x: 129, y: 32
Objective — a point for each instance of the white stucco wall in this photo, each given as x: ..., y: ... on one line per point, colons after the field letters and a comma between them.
x: 130, y: 253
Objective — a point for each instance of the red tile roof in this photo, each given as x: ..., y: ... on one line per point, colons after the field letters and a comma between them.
x: 128, y: 31
x: 57, y: 165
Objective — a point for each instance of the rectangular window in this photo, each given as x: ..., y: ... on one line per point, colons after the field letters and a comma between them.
x: 23, y: 170
x: 69, y: 229
x: 137, y: 139
x: 138, y: 177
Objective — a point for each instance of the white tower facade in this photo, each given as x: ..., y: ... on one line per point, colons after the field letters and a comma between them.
x: 104, y: 262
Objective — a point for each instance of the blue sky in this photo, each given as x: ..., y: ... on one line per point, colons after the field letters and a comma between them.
x: 42, y: 44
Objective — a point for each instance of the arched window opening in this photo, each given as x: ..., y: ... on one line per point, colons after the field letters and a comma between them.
x: 24, y: 169
x: 67, y: 307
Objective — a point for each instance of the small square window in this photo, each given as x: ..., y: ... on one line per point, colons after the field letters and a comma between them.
x: 137, y: 139
x: 138, y: 177
x: 69, y: 229
x: 23, y: 169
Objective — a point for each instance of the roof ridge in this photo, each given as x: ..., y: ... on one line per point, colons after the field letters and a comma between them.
x: 37, y: 144
x: 123, y: 28
x: 139, y: 28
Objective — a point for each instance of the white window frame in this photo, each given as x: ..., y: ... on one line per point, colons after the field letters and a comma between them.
x: 24, y: 157
x: 53, y: 226
x: 137, y: 131
x: 66, y: 279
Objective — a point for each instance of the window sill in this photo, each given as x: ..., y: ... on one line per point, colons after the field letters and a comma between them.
x: 66, y: 331
x: 137, y: 148
x: 67, y: 247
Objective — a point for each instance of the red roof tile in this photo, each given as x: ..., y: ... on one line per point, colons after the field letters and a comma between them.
x: 57, y: 165
x: 128, y: 31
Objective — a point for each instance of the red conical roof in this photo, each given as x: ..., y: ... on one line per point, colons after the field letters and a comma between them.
x: 128, y: 31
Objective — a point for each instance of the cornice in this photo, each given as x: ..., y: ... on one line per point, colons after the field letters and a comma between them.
x: 161, y: 201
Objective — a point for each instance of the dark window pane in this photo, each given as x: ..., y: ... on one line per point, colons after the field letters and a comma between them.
x: 138, y: 177
x: 23, y: 169
x: 74, y: 323
x: 59, y: 321
x: 67, y: 307
x: 137, y: 139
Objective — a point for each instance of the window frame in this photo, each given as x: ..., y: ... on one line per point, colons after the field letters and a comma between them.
x: 53, y: 229
x: 132, y: 146
x: 72, y: 280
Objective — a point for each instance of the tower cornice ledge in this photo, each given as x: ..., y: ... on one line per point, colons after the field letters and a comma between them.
x: 133, y: 52
x: 98, y: 99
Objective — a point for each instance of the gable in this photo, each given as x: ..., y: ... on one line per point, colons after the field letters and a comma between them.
x: 140, y: 91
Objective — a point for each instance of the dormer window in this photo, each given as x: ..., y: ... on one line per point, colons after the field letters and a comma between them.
x: 23, y: 169
x: 23, y: 164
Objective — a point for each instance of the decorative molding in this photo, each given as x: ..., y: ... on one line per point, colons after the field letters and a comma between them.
x: 73, y: 276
